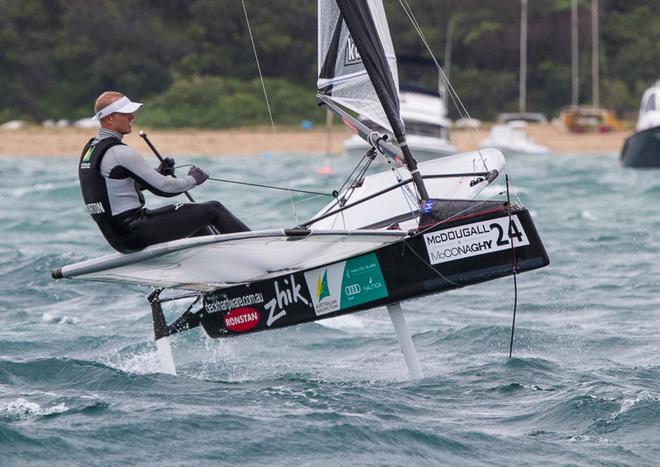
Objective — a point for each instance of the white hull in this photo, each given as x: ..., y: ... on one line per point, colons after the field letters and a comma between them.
x: 512, y: 139
x: 399, y: 202
x: 515, y: 150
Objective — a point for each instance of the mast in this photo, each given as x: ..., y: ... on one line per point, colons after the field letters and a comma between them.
x: 574, y: 53
x: 448, y: 43
x: 360, y: 24
x: 523, y: 57
x: 595, y: 84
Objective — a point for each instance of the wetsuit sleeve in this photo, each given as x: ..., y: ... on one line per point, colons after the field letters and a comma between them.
x: 123, y: 161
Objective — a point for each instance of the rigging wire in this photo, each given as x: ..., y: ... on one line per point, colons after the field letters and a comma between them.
x: 256, y: 57
x: 514, y: 267
x: 458, y: 103
x: 277, y: 209
x: 352, y: 180
x: 460, y: 107
x: 293, y: 209
x: 408, y: 195
x: 271, y: 187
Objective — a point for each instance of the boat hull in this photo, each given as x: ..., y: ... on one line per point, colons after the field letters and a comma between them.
x: 642, y: 149
x: 451, y: 254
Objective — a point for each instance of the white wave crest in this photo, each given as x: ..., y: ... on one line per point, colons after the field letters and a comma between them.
x: 22, y: 409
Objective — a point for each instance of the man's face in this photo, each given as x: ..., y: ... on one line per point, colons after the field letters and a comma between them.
x: 121, y: 123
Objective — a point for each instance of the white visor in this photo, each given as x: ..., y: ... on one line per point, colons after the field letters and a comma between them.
x: 122, y: 106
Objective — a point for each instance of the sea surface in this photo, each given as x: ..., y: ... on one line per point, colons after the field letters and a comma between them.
x: 79, y: 380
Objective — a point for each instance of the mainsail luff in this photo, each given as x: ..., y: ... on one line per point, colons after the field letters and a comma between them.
x: 359, y: 20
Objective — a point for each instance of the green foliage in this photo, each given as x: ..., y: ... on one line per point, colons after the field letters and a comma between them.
x: 57, y: 56
x: 485, y: 96
x: 214, y: 102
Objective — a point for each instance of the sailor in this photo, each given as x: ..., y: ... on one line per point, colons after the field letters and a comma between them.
x: 112, y: 176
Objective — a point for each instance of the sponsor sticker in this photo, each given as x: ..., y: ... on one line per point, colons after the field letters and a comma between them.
x: 222, y: 302
x: 95, y: 208
x: 242, y: 319
x: 84, y: 163
x: 352, y: 55
x: 88, y: 154
x: 474, y: 239
x: 287, y: 293
x: 346, y: 284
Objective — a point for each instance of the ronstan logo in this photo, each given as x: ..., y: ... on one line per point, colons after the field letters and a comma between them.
x: 242, y: 319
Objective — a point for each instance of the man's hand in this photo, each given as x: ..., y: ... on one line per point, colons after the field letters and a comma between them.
x: 198, y: 174
x: 166, y: 167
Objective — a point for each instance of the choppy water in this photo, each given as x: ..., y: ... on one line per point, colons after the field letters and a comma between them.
x: 78, y: 380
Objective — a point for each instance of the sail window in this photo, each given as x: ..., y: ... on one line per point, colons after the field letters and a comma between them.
x: 650, y: 104
x: 425, y: 129
x: 413, y: 128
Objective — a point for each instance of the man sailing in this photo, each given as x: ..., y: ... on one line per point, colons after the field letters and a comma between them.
x: 112, y: 176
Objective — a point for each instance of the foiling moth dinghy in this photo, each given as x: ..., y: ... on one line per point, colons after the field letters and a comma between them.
x: 387, y: 237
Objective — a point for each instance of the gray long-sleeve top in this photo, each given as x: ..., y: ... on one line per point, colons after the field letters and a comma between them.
x: 122, y: 167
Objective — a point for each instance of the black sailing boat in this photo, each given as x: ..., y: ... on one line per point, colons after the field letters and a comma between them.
x: 387, y: 237
x: 642, y: 149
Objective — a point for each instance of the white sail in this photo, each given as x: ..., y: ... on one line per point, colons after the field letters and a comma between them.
x: 341, y: 74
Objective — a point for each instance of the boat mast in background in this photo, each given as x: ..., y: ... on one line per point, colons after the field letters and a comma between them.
x: 522, y: 98
x: 574, y: 53
x: 587, y: 118
x: 443, y: 82
x: 595, y: 84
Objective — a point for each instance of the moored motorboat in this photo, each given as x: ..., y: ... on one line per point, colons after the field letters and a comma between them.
x: 512, y: 139
x: 427, y: 126
x: 642, y: 149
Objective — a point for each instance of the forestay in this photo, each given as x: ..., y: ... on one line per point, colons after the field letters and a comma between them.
x: 342, y: 75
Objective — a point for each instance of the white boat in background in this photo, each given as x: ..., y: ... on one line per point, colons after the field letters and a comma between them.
x: 427, y: 127
x: 529, y: 117
x: 642, y: 149
x: 512, y: 139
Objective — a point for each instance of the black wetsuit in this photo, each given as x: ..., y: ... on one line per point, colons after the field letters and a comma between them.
x: 111, y: 177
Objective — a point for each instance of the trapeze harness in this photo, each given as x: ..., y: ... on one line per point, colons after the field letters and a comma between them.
x: 117, y: 205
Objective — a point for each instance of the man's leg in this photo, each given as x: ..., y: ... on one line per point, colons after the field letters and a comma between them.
x: 180, y: 221
x: 222, y: 218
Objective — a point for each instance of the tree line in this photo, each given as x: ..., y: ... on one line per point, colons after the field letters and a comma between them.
x: 192, y: 61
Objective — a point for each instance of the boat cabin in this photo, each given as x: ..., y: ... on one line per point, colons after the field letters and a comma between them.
x: 581, y: 119
x: 649, y: 111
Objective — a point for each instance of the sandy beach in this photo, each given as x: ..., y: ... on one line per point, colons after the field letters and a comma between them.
x: 37, y: 141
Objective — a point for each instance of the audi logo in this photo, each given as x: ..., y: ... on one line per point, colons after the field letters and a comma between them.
x: 352, y: 289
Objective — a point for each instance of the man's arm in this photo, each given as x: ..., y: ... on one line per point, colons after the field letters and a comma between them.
x: 126, y: 162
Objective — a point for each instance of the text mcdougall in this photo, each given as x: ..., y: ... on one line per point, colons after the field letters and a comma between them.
x: 456, y: 234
